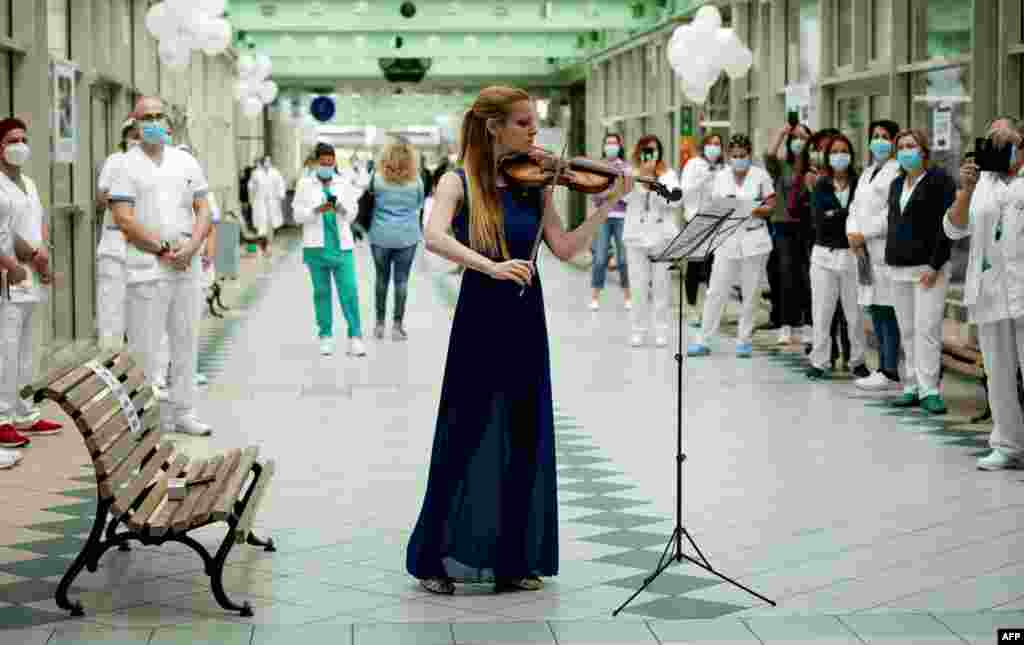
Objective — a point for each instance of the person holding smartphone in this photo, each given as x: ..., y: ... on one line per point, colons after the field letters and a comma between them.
x: 325, y: 206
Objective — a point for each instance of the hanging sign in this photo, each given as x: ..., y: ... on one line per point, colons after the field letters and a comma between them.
x: 942, y: 127
x: 65, y: 113
x: 117, y: 391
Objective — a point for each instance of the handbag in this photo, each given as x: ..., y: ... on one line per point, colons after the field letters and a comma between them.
x: 367, y: 202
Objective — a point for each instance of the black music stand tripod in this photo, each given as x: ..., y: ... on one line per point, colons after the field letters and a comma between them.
x: 696, y: 241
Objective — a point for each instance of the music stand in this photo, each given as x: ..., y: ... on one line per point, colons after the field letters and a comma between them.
x: 696, y: 241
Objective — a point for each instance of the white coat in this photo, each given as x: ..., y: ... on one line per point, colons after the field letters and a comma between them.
x: 697, y: 181
x: 869, y: 216
x: 650, y: 220
x: 309, y: 195
x: 751, y: 238
x: 994, y: 293
x: 265, y: 195
x: 25, y: 210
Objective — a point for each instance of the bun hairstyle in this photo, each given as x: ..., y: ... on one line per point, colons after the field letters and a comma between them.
x: 486, y: 218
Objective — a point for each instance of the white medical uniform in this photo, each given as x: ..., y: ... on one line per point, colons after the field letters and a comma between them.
x: 163, y: 298
x: 869, y: 216
x: 265, y: 195
x: 110, y: 267
x: 649, y: 224
x: 21, y: 214
x: 994, y: 295
x: 743, y: 255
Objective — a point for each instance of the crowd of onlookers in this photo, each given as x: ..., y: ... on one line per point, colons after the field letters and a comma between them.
x: 842, y: 243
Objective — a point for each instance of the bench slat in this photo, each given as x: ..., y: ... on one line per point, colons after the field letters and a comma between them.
x: 225, y: 504
x: 244, y: 526
x: 56, y: 389
x: 126, y: 496
x: 123, y: 441
x: 124, y: 471
x: 90, y: 387
x: 204, y: 505
x: 94, y: 413
x: 117, y: 423
x: 157, y: 494
x: 163, y: 519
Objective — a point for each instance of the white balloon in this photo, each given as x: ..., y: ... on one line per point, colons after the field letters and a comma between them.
x: 173, y: 55
x: 263, y: 67
x: 215, y: 8
x: 251, y: 106
x: 158, y: 21
x: 708, y: 19
x: 246, y: 65
x: 217, y: 38
x: 180, y: 11
x: 740, y: 63
x: 268, y: 91
x: 244, y: 88
x: 696, y: 93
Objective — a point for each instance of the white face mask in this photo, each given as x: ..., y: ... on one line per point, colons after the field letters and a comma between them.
x: 17, y: 154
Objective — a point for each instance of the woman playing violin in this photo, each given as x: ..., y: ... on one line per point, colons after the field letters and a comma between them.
x: 490, y: 513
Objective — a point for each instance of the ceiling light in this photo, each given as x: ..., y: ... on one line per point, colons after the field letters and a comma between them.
x: 500, y: 10
x: 472, y: 41
x: 433, y: 41
x: 360, y: 40
x: 268, y: 9
x: 454, y: 8
x: 505, y: 40
x: 316, y: 9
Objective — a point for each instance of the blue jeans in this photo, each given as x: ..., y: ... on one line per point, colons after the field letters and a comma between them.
x: 887, y: 330
x: 610, y: 231
x: 384, y: 259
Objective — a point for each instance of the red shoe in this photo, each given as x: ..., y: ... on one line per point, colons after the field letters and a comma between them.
x: 11, y: 438
x: 42, y: 427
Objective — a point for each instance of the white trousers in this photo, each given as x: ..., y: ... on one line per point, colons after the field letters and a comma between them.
x: 16, y: 363
x: 111, y: 307
x: 919, y: 313
x: 829, y: 286
x: 724, y: 273
x: 167, y: 307
x: 1002, y: 347
x: 644, y: 272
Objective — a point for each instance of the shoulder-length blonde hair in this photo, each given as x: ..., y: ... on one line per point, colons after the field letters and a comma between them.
x: 486, y: 219
x: 921, y: 139
x: 397, y: 163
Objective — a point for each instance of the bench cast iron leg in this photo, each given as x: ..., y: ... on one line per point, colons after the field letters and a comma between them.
x: 111, y: 534
x: 87, y: 555
x: 268, y: 544
x: 216, y: 574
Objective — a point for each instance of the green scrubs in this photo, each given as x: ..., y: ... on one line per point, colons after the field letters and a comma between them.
x: 330, y: 263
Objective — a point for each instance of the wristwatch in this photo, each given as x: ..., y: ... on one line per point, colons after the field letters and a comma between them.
x: 165, y: 248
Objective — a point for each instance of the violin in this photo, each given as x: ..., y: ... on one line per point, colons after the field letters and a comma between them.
x: 588, y: 176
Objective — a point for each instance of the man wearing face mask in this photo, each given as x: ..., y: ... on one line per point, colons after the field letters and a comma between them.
x: 990, y: 207
x: 110, y: 255
x: 24, y: 237
x: 160, y: 204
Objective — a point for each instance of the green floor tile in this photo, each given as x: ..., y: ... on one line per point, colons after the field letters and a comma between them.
x: 683, y: 608
x: 73, y: 526
x: 906, y: 627
x: 19, y: 616
x: 206, y: 633
x: 700, y: 631
x: 512, y: 632
x: 983, y: 625
x: 91, y: 634
x: 617, y: 520
x: 83, y: 493
x: 38, y: 568
x: 573, y: 448
x: 606, y: 502
x: 793, y: 629
x: 594, y: 487
x: 586, y: 473
x: 580, y: 632
x: 68, y: 544
x: 81, y: 508
x: 401, y: 634
x: 643, y: 559
x: 669, y: 584
x: 628, y: 539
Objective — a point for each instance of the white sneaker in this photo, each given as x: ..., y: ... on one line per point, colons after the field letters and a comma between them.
x: 636, y: 340
x: 877, y: 382
x: 594, y: 306
x: 661, y: 341
x: 201, y: 379
x: 999, y: 460
x: 356, y: 347
x: 9, y: 458
x: 326, y: 346
x: 190, y: 425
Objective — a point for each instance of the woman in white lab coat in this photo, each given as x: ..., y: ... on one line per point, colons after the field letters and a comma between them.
x: 744, y: 254
x: 866, y: 229
x: 697, y: 180
x: 649, y: 224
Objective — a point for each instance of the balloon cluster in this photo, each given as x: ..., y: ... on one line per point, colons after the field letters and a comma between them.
x: 254, y: 89
x: 700, y: 51
x: 182, y: 26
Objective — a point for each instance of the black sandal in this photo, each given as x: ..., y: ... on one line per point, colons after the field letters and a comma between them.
x: 440, y: 586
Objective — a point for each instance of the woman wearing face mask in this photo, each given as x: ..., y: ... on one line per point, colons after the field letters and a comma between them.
x: 744, y: 255
x: 833, y: 267
x: 866, y: 231
x: 697, y: 181
x: 610, y: 231
x: 917, y: 254
x: 787, y: 161
x: 649, y: 224
x: 325, y: 206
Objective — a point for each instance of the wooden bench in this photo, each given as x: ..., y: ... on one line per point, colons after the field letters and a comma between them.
x: 133, y: 465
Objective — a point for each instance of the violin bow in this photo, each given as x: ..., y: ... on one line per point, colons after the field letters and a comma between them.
x: 544, y: 211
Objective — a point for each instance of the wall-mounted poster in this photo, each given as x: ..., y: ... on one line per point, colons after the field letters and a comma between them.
x: 65, y: 113
x: 799, y: 99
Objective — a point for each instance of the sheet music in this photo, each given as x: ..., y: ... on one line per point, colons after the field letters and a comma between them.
x: 707, y: 230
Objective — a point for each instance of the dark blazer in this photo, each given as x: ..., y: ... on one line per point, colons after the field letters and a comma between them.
x: 915, y: 236
x: 828, y: 215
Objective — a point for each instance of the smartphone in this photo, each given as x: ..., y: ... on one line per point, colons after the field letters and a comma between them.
x: 793, y: 118
x: 990, y: 158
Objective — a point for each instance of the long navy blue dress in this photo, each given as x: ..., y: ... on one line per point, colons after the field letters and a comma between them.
x: 491, y: 509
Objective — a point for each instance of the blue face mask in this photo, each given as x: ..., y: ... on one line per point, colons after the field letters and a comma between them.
x: 909, y: 158
x: 839, y: 160
x: 154, y: 133
x: 325, y: 172
x: 713, y: 153
x: 881, y: 149
x: 741, y: 164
